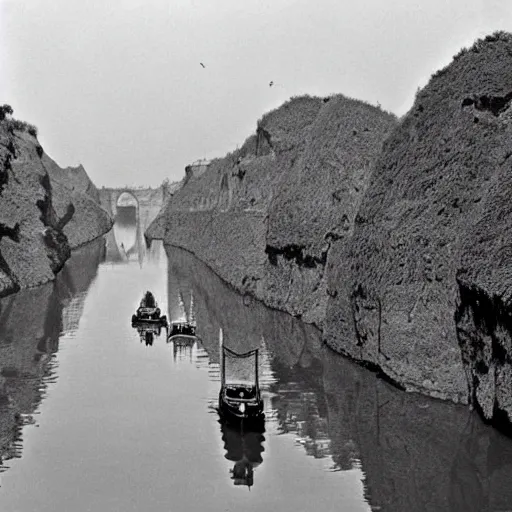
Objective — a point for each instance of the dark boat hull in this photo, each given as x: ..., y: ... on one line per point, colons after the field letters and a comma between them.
x: 182, y: 339
x: 137, y: 320
x: 252, y: 417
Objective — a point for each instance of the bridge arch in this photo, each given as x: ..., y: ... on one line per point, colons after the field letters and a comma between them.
x: 126, y: 197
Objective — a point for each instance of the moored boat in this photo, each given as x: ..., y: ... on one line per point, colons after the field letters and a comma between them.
x: 148, y: 311
x: 185, y: 330
x: 240, y: 398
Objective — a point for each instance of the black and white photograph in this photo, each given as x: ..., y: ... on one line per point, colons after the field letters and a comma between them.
x: 255, y: 256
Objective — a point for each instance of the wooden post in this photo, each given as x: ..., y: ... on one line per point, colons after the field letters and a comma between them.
x: 221, y: 357
x: 256, y: 370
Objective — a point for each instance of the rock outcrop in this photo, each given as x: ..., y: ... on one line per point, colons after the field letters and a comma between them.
x: 426, y: 275
x: 75, y: 178
x: 73, y: 191
x: 41, y: 217
x: 264, y: 216
x: 316, y: 203
x: 399, y: 251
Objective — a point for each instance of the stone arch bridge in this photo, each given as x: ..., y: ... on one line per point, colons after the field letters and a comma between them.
x: 133, y: 210
x: 148, y: 201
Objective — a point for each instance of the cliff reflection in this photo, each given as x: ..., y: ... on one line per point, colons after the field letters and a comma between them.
x: 415, y: 453
x: 31, y: 323
x: 300, y: 407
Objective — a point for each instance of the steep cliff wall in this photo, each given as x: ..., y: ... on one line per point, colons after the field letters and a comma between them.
x: 75, y: 178
x: 484, y: 308
x: 398, y: 250
x: 73, y: 191
x: 32, y: 247
x: 395, y: 298
x: 316, y: 203
x: 264, y: 216
x: 38, y: 211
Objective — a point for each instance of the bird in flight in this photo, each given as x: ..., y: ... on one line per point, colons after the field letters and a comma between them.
x: 202, y: 64
x: 271, y: 83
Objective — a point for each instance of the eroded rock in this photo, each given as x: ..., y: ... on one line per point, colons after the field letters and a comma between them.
x: 41, y: 216
x: 264, y: 216
x: 439, y: 173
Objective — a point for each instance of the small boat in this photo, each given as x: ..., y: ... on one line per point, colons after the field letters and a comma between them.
x: 185, y: 330
x: 182, y: 336
x: 240, y: 400
x: 148, y: 311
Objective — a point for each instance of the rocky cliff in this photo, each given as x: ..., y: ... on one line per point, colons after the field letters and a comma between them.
x: 75, y: 178
x: 422, y: 291
x: 316, y: 203
x: 264, y: 216
x: 41, y: 216
x: 398, y: 250
x: 74, y: 190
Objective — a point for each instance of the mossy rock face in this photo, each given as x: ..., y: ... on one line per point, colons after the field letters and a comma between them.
x: 443, y: 170
x: 264, y: 216
x: 317, y: 200
x: 44, y: 211
x: 32, y: 251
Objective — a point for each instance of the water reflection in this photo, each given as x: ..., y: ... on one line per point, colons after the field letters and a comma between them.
x: 244, y: 449
x: 413, y: 453
x: 125, y: 243
x: 184, y: 349
x: 31, y: 324
x: 148, y: 332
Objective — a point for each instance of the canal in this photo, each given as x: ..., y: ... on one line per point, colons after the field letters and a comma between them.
x: 93, y: 418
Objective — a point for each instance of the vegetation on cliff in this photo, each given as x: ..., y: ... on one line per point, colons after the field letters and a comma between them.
x: 37, y: 211
x: 435, y: 217
x: 264, y: 216
x: 399, y: 250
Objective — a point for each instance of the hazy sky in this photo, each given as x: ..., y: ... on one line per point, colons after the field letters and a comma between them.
x: 118, y: 86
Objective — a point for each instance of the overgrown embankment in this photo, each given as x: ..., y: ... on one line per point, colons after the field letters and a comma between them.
x: 422, y: 291
x: 264, y: 216
x: 399, y: 251
x: 41, y: 216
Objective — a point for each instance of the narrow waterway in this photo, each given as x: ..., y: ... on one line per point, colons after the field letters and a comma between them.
x: 94, y: 418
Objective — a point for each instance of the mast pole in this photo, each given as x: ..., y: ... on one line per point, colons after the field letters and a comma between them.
x: 221, y: 357
x: 256, y: 370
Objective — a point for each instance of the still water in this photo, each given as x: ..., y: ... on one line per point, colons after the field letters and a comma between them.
x: 94, y: 419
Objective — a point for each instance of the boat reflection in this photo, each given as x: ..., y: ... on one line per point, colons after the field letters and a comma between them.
x: 244, y: 449
x: 148, y: 332
x: 183, y: 346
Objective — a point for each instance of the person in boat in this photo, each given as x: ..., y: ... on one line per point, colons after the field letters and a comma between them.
x: 149, y: 300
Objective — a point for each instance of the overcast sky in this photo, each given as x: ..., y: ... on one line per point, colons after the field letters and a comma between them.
x: 118, y: 85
